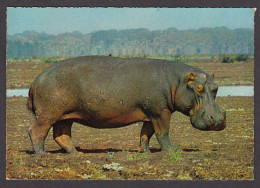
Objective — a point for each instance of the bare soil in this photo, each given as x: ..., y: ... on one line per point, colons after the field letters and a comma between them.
x: 228, y: 154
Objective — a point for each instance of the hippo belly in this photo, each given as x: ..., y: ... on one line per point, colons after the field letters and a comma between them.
x: 108, y: 120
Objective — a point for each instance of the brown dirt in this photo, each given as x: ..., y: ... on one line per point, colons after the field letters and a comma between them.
x: 22, y: 74
x: 238, y: 73
x: 226, y: 154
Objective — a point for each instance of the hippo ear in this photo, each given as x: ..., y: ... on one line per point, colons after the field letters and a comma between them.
x: 190, y: 79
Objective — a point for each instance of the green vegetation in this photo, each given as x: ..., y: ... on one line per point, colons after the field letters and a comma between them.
x: 227, y: 59
x: 113, y: 166
x: 242, y: 57
x: 50, y: 61
x: 174, y: 155
x: 20, y: 162
x: 231, y: 58
x: 184, y: 176
x: 96, y: 174
x: 110, y: 154
x: 38, y: 59
x: 178, y: 58
x: 219, y: 40
x: 136, y: 155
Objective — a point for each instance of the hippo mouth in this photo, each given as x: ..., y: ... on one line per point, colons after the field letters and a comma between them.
x: 208, y: 121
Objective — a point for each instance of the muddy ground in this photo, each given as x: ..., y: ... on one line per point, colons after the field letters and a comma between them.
x: 113, y: 153
x: 21, y: 74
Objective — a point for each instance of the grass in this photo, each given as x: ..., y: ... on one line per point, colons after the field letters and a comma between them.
x: 20, y: 162
x: 136, y: 156
x: 174, y: 155
x: 173, y: 57
x: 97, y: 174
x: 184, y: 176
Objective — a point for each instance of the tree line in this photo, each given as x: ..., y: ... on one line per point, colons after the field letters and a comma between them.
x: 172, y: 41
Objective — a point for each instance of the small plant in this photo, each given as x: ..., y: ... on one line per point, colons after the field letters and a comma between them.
x: 95, y: 174
x: 113, y: 166
x: 20, y: 163
x: 179, y: 58
x: 174, y: 155
x: 184, y: 176
x: 227, y: 59
x: 110, y: 154
x: 50, y: 61
x: 16, y: 59
x: 136, y: 156
x: 242, y: 57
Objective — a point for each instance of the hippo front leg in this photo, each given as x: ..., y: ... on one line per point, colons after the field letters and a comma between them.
x: 161, y: 127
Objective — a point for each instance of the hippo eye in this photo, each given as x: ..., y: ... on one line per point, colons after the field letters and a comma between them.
x: 188, y: 107
x: 199, y: 87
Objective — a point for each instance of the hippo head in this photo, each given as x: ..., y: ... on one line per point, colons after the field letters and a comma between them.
x: 195, y: 97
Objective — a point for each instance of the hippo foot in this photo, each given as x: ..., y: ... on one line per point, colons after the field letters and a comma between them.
x: 75, y: 153
x: 39, y: 150
x: 42, y: 153
x: 144, y: 146
x: 169, y: 148
x: 164, y: 141
x: 72, y: 151
x: 144, y: 150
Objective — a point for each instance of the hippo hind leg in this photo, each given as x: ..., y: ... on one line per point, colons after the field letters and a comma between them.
x: 38, y: 132
x: 146, y: 134
x: 62, y: 135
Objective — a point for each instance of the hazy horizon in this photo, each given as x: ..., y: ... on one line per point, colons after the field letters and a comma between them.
x: 120, y: 30
x: 54, y: 21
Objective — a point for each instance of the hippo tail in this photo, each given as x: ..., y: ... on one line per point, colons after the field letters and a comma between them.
x: 30, y: 104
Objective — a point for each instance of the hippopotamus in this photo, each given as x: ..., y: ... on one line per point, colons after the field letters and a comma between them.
x: 110, y: 92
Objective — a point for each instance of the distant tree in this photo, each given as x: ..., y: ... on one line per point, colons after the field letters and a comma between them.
x: 198, y: 51
x: 242, y: 57
x: 227, y: 59
x: 178, y: 51
x: 132, y: 42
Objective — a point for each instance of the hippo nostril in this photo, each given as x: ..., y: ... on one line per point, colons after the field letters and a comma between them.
x: 211, y: 118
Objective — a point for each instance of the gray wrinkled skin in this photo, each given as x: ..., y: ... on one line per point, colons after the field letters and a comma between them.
x: 109, y: 92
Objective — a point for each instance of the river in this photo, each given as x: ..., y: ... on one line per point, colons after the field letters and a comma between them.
x: 223, y: 91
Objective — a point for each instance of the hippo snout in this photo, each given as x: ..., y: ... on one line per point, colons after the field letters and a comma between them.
x: 217, y: 121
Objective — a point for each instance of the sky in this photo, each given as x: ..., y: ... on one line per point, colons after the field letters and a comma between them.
x: 87, y: 20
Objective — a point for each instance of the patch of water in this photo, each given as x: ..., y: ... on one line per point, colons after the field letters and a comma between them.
x: 223, y: 91
x: 17, y: 92
x: 243, y: 91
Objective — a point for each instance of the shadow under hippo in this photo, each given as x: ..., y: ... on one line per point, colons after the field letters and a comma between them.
x: 110, y: 92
